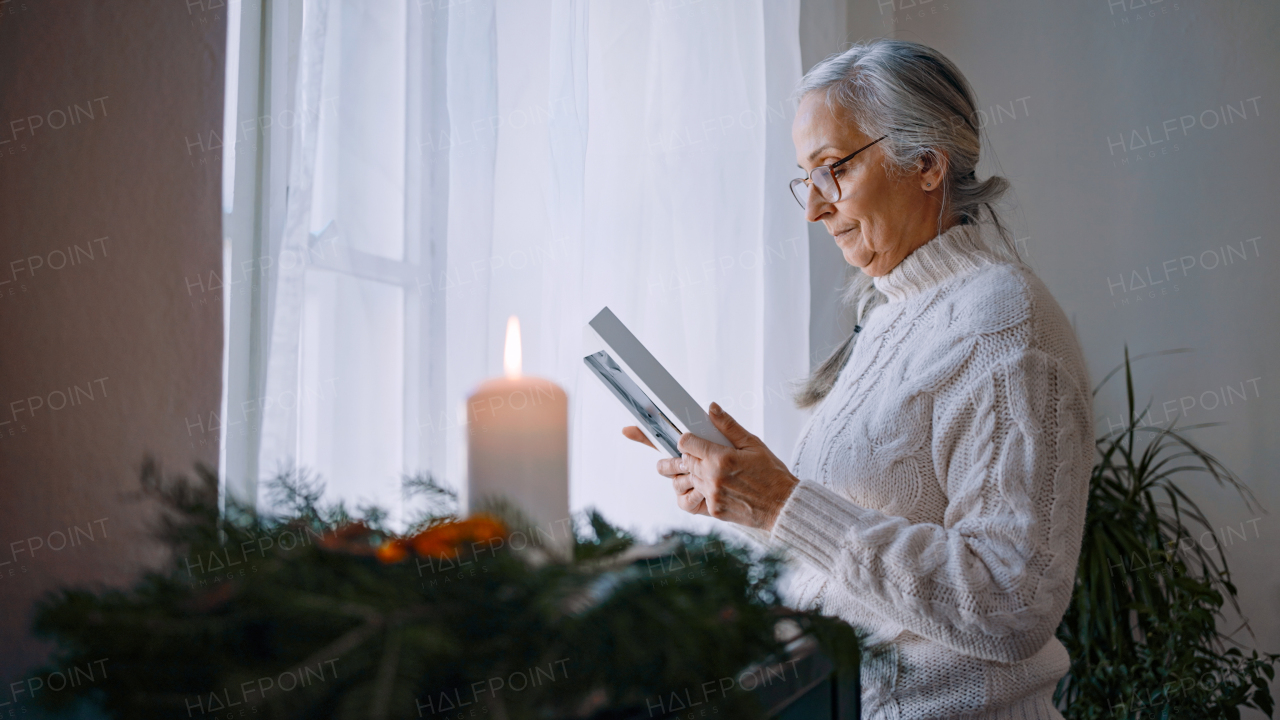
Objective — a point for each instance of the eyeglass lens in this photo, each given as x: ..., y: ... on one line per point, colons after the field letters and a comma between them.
x: 822, y: 181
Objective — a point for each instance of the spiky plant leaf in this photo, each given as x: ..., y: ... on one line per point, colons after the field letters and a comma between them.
x: 1142, y: 626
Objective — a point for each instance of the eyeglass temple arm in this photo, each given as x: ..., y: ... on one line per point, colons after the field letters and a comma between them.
x: 854, y: 154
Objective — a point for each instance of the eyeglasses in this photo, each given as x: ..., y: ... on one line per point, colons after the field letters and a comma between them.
x: 824, y: 180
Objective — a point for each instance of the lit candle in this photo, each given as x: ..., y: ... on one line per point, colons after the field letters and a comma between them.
x: 518, y: 447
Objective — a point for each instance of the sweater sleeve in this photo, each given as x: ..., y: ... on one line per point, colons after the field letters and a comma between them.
x: 1013, y: 451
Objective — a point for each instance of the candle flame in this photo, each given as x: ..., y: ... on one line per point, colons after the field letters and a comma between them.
x: 511, y: 352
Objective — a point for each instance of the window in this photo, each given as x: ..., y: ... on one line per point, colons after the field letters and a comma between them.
x: 408, y: 174
x: 346, y: 292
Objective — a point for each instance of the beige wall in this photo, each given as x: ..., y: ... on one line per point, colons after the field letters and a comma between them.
x: 123, y: 323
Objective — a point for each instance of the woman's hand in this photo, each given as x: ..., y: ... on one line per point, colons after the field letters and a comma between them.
x: 745, y: 484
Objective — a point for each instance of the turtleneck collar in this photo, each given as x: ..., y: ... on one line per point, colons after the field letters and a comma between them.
x: 957, y: 251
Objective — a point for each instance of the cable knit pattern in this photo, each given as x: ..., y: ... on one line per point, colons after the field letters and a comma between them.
x: 943, y: 487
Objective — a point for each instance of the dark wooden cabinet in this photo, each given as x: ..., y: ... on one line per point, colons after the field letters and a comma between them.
x: 805, y: 687
x: 814, y: 690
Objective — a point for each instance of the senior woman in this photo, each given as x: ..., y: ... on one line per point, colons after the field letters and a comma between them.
x: 938, y: 490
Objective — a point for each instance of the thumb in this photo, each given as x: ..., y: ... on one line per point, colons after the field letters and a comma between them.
x: 732, y: 431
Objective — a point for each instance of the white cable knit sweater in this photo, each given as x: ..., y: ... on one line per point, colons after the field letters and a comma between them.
x: 943, y: 488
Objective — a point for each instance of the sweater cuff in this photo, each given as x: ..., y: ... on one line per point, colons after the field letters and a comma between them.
x: 815, y: 523
x: 753, y: 535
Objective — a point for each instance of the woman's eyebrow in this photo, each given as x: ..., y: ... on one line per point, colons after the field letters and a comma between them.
x: 813, y: 155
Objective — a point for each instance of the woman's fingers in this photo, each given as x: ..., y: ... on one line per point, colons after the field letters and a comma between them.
x: 687, y: 498
x: 671, y: 467
x: 631, y: 432
x: 691, y: 444
x: 682, y: 484
x: 692, y: 503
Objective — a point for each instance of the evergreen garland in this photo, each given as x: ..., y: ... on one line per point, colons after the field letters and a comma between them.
x: 322, y: 614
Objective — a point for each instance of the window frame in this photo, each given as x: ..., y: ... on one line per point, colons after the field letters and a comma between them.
x: 266, y: 57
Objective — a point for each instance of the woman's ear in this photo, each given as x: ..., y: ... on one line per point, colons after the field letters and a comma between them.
x: 933, y: 168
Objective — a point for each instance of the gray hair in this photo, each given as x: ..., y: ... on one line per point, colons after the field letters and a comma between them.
x: 922, y: 102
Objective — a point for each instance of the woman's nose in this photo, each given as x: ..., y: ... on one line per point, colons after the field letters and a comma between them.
x: 817, y: 205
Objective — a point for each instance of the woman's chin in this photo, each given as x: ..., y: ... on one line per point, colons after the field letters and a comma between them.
x: 858, y: 260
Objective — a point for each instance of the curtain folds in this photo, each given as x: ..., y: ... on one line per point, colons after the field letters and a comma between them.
x: 612, y: 152
x: 279, y: 433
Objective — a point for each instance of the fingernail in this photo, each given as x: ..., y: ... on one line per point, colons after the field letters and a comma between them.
x: 682, y: 466
x: 715, y: 409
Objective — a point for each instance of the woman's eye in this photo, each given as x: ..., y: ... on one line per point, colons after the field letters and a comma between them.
x: 837, y: 172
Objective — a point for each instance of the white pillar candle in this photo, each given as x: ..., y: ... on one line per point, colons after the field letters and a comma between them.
x: 518, y: 447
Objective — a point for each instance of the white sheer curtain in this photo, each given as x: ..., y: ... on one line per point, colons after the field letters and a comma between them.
x: 337, y: 359
x: 563, y: 156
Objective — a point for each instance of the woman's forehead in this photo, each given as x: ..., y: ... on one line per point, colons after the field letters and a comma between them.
x: 817, y: 129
